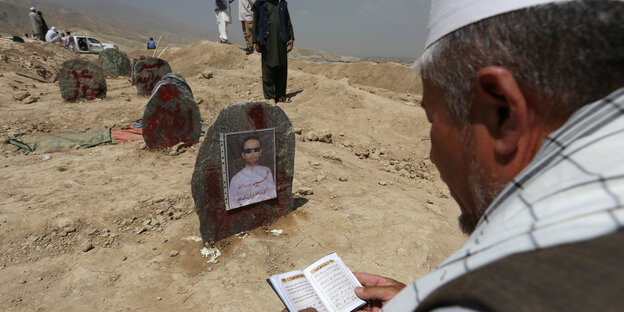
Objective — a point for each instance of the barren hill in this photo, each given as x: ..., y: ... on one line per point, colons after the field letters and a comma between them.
x: 114, y: 227
x: 127, y: 26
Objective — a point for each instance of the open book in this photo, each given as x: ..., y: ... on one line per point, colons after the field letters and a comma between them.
x: 326, y: 285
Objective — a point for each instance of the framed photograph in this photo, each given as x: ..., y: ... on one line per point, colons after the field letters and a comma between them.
x: 248, y: 161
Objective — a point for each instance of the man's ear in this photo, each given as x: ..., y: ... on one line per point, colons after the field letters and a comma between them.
x: 505, y: 107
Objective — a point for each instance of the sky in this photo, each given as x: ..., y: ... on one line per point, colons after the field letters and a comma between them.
x: 371, y: 28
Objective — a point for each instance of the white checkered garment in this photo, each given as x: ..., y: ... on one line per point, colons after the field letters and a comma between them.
x: 573, y: 190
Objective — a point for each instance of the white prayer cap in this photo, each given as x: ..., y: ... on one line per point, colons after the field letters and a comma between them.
x: 32, y: 9
x: 446, y: 16
x: 53, y: 28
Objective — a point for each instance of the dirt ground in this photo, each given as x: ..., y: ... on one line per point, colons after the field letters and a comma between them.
x: 114, y: 228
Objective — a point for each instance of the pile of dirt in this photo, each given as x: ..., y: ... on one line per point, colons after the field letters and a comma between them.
x: 389, y: 76
x: 35, y: 59
x: 196, y: 58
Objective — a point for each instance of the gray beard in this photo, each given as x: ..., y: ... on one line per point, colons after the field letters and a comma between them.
x: 483, y: 189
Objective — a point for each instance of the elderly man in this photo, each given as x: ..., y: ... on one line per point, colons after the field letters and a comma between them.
x: 254, y: 183
x: 35, y: 22
x: 526, y: 104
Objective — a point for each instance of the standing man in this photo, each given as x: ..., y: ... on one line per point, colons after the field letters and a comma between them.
x: 224, y: 17
x: 44, y: 26
x: 245, y: 15
x: 273, y: 37
x: 35, y: 22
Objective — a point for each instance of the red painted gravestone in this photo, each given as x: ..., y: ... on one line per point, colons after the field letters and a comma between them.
x: 147, y: 71
x: 171, y: 115
x: 81, y: 80
x: 207, y: 184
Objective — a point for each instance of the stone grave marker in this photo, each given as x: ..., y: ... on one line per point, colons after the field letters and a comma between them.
x: 80, y: 79
x: 215, y: 222
x: 135, y: 59
x: 171, y: 115
x: 115, y: 63
x: 147, y: 72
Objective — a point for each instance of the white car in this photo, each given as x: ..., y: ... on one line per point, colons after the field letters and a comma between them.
x: 86, y: 44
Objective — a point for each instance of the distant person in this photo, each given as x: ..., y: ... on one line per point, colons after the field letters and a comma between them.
x: 65, y: 40
x: 35, y: 22
x: 52, y: 35
x: 245, y: 15
x: 224, y: 17
x: 273, y: 37
x: 151, y: 44
x: 254, y: 183
x: 43, y: 31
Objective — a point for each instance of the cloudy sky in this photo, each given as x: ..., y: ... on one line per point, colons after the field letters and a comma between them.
x: 388, y: 28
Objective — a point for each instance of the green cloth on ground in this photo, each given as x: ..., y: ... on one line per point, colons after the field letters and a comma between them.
x: 64, y: 140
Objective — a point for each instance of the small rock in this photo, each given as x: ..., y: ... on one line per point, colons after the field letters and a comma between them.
x: 298, y: 130
x: 383, y: 183
x: 40, y: 278
x: 199, y: 100
x: 31, y: 99
x: 319, y: 178
x: 20, y: 95
x: 87, y: 247
x: 159, y: 298
x: 312, y: 136
x: 305, y: 191
x: 147, y: 222
x: 343, y: 179
x: 23, y: 282
x: 330, y: 155
x: 325, y: 136
x: 207, y: 75
x: 124, y: 258
x: 174, y: 253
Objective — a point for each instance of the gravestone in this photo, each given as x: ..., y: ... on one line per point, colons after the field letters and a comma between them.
x: 171, y: 115
x: 215, y: 222
x: 80, y: 79
x: 147, y: 72
x: 115, y: 63
x: 135, y: 59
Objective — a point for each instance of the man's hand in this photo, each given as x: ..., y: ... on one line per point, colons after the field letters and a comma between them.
x: 291, y: 43
x: 377, y: 290
x: 257, y: 47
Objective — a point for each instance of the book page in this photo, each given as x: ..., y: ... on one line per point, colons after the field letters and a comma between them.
x: 299, y: 291
x: 335, y: 282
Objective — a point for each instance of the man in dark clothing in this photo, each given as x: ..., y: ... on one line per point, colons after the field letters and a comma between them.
x: 44, y: 27
x: 273, y: 37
